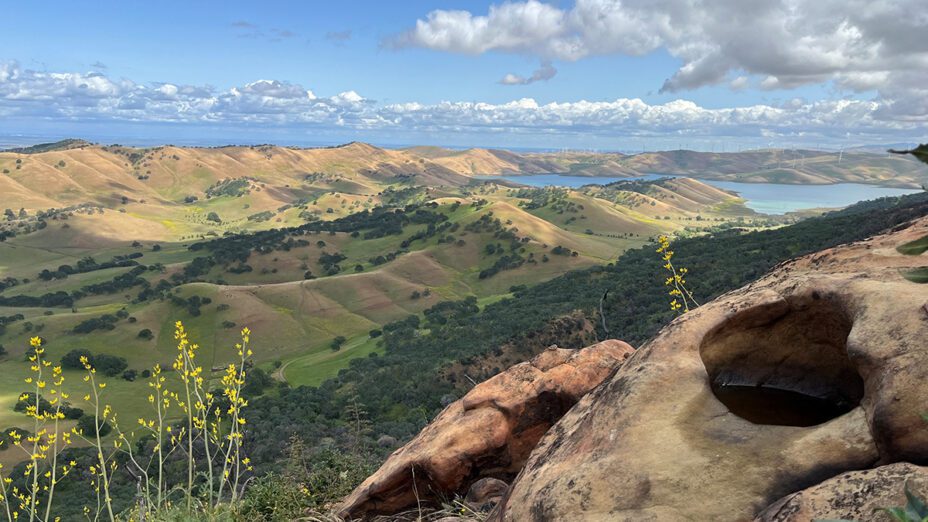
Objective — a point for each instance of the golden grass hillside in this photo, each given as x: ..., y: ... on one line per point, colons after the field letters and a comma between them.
x: 167, y: 176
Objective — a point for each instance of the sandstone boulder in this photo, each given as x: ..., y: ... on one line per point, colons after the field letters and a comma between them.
x: 489, y: 432
x: 485, y: 494
x: 814, y: 370
x: 850, y: 496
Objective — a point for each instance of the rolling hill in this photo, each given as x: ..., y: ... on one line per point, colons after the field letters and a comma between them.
x: 759, y: 166
x: 75, y: 172
x: 104, y: 248
x: 315, y: 250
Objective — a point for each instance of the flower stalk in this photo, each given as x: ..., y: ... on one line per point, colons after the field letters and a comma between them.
x: 682, y: 299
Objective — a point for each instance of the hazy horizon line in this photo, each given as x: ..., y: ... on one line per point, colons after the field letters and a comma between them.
x: 13, y: 141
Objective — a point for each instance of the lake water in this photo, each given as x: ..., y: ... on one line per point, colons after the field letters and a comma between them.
x: 766, y: 198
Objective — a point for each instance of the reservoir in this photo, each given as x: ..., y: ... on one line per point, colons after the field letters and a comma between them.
x: 765, y: 198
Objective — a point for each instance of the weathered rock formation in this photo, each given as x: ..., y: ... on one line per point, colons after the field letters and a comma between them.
x: 489, y: 432
x: 817, y: 369
x: 485, y: 494
x: 854, y: 495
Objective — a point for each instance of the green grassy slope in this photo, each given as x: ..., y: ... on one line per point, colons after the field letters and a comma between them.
x: 477, y: 241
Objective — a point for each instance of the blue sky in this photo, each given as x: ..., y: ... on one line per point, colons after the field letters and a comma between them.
x: 416, y: 71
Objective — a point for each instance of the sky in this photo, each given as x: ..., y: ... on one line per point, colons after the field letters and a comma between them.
x: 625, y: 75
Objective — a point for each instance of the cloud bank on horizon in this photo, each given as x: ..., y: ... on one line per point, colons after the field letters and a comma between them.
x: 872, y: 55
x: 859, y: 45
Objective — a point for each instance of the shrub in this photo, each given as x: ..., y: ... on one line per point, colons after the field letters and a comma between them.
x: 109, y: 365
x: 71, y: 412
x: 274, y: 498
x: 28, y: 399
x: 88, y: 425
x: 104, y: 322
x: 256, y: 382
x: 72, y: 359
x: 6, y: 439
x: 309, y: 481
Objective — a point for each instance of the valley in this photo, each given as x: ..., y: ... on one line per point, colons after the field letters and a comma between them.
x: 105, y: 247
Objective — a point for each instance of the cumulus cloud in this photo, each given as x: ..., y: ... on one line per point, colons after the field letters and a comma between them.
x: 31, y: 95
x: 543, y: 73
x: 517, y: 26
x: 739, y: 83
x: 860, y: 45
x: 94, y: 96
x: 634, y: 117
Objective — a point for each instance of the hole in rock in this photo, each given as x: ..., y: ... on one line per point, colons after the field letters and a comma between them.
x: 784, y: 364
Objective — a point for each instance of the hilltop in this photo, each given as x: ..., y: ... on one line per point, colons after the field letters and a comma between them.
x: 70, y: 143
x: 72, y: 172
x: 64, y: 176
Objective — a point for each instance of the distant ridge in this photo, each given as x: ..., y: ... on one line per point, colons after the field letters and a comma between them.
x: 67, y: 144
x: 429, y: 165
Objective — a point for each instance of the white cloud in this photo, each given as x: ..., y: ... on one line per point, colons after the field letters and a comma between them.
x: 510, y: 27
x: 739, y: 83
x: 860, y: 45
x: 348, y: 97
x: 543, y: 73
x: 52, y: 96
